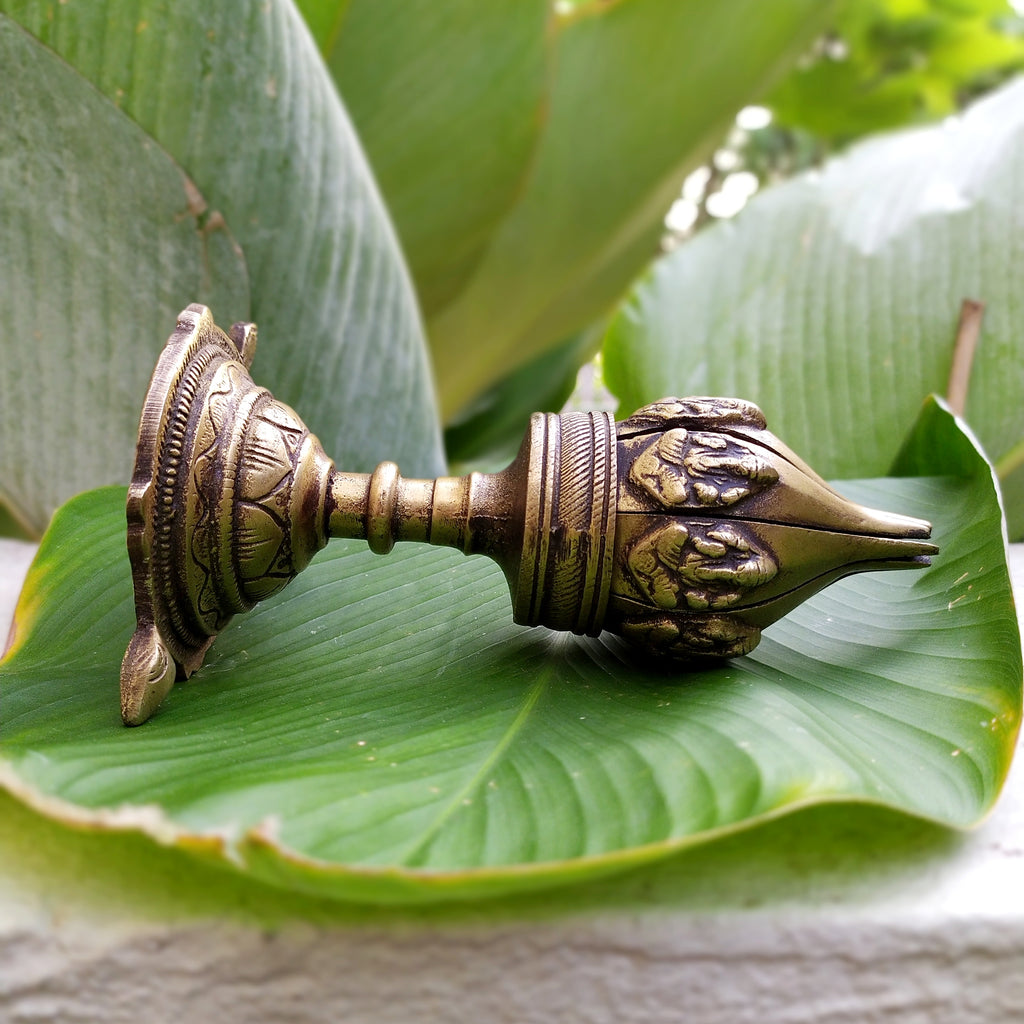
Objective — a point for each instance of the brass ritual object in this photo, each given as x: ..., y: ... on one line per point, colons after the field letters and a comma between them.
x: 686, y: 529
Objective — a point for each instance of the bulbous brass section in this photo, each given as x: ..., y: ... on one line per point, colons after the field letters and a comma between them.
x: 686, y: 529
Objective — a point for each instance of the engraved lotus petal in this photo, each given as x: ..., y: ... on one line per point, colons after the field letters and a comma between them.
x: 267, y: 460
x: 259, y: 538
x: 284, y: 418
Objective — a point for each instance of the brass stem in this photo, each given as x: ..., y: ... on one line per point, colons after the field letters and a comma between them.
x: 467, y: 512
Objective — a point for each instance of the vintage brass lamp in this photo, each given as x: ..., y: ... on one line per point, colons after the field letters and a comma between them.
x: 686, y: 529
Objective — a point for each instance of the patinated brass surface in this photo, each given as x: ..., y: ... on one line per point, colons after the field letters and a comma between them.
x: 687, y: 528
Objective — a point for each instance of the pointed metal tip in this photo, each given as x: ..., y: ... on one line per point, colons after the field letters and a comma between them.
x: 874, y: 522
x: 892, y: 552
x: 906, y: 526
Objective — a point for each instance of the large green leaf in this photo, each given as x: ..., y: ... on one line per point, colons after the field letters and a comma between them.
x: 529, y: 158
x: 381, y: 731
x: 641, y: 91
x: 448, y: 98
x: 833, y: 300
x: 132, y: 134
x: 102, y: 240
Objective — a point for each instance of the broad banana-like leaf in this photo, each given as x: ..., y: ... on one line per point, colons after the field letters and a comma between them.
x: 529, y: 157
x: 154, y: 155
x: 449, y: 98
x: 381, y: 731
x: 103, y: 238
x: 833, y: 300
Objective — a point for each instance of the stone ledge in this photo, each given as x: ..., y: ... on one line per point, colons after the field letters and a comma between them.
x: 844, y: 914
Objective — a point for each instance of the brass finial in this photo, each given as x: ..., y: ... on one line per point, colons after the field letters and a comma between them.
x: 687, y: 528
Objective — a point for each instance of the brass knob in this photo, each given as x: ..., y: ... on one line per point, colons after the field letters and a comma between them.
x: 686, y: 529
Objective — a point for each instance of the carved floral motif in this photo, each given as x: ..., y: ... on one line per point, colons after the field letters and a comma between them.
x: 710, y: 636
x: 707, y: 413
x: 696, y: 468
x: 261, y: 543
x: 698, y: 565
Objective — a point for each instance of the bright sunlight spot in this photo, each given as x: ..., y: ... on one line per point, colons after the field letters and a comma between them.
x: 732, y: 195
x: 726, y: 159
x: 695, y: 184
x: 682, y: 215
x: 752, y: 119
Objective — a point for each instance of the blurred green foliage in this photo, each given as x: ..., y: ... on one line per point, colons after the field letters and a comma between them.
x: 888, y: 63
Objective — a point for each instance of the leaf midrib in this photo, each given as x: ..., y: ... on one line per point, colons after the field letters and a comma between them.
x: 422, y: 844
